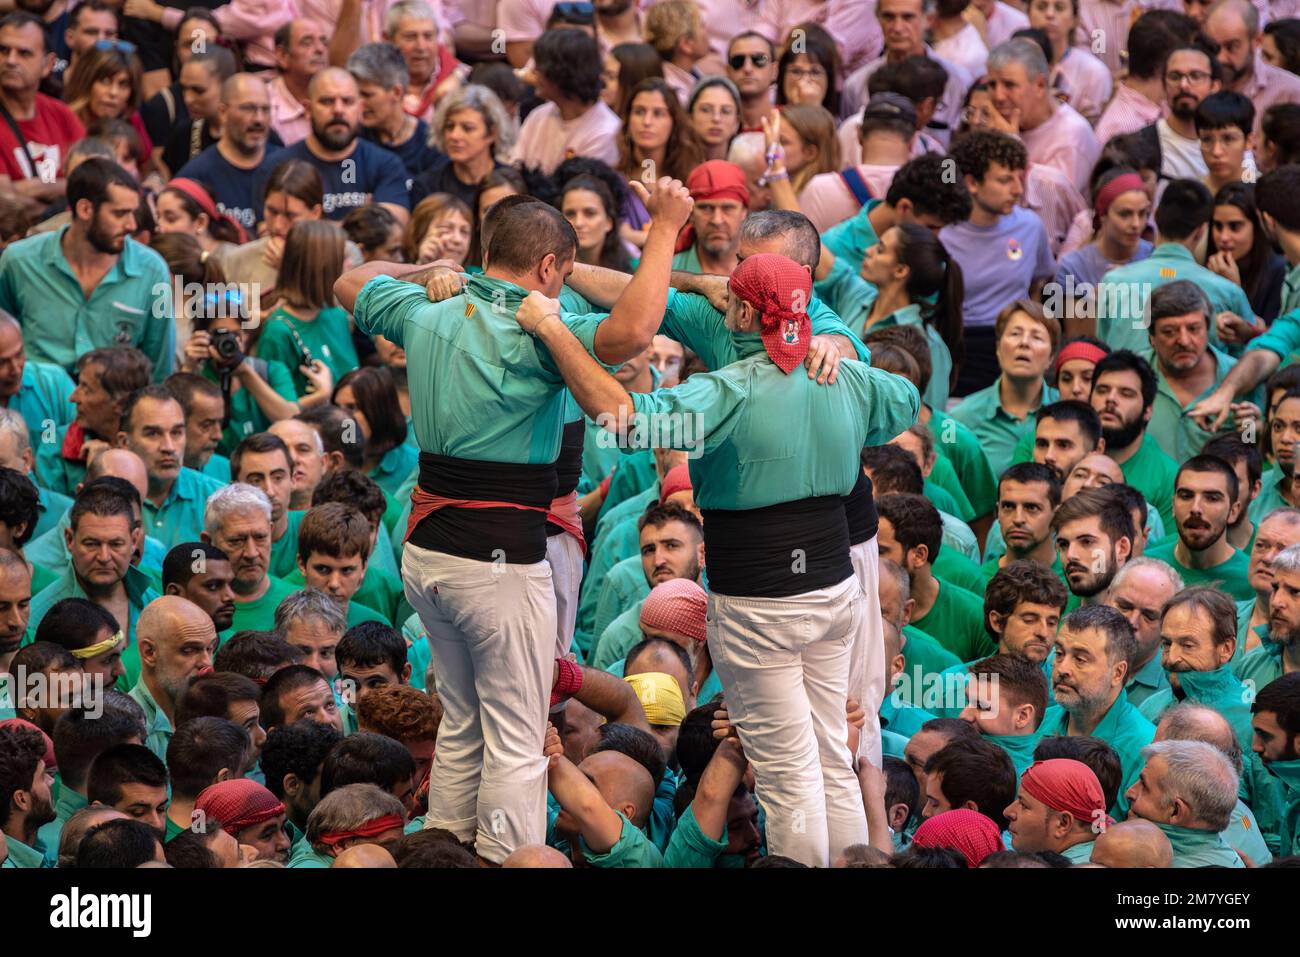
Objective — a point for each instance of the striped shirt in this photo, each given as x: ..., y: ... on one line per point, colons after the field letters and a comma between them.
x: 1127, y: 112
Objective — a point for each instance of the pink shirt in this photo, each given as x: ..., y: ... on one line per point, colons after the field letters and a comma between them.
x: 372, y: 16
x: 1269, y: 85
x: 1127, y: 112
x: 546, y: 140
x: 1004, y: 21
x: 1085, y: 81
x: 965, y: 48
x: 1113, y: 18
x: 1050, y: 194
x: 682, y: 82
x: 252, y: 21
x: 523, y: 20
x: 1065, y: 141
x: 954, y: 92
x: 827, y: 200
x: 289, y: 118
x: 482, y: 13
x: 856, y: 30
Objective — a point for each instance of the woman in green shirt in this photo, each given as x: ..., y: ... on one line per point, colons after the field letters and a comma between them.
x: 306, y: 326
x: 370, y: 395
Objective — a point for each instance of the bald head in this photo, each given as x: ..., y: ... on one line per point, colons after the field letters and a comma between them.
x: 1196, y: 722
x: 1092, y: 471
x: 1135, y: 843
x: 123, y: 464
x: 364, y: 856
x: 623, y: 782
x: 171, y: 619
x: 177, y: 641
x: 537, y: 855
x: 333, y: 78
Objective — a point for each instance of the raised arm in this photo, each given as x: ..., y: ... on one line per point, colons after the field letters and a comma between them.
x: 598, y: 823
x: 610, y: 697
x: 721, y: 777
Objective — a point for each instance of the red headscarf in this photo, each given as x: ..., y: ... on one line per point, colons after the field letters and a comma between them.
x: 677, y: 479
x: 1064, y: 784
x: 196, y: 192
x: 679, y: 606
x: 779, y: 288
x: 716, y: 179
x: 1079, y: 350
x: 238, y: 803
x: 964, y: 830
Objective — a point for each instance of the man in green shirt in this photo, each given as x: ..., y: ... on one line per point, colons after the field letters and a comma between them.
x: 1278, y: 483
x: 44, y: 280
x: 38, y: 391
x: 26, y: 782
x: 1276, y: 721
x: 1188, y: 789
x: 1124, y: 395
x: 205, y: 412
x: 910, y: 535
x: 1005, y: 699
x: 238, y: 521
x: 333, y: 550
x: 1094, y: 535
x: 1205, y: 504
x: 1182, y: 220
x: 1060, y: 808
x: 720, y: 826
x: 1028, y: 496
x: 1247, y: 463
x: 177, y: 641
x: 1280, y: 654
x: 263, y: 461
x: 1089, y: 671
x: 1139, y: 592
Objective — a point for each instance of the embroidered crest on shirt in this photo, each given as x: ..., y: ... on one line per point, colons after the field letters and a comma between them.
x: 1168, y: 272
x: 1014, y: 252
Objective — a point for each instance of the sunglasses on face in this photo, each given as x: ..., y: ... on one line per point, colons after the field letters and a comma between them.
x: 737, y: 60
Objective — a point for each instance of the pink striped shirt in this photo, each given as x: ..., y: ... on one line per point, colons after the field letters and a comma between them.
x: 1105, y: 24
x: 855, y: 28
x: 826, y: 200
x: 1127, y: 112
x: 252, y: 21
x: 289, y: 118
x: 1066, y: 141
x: 1269, y: 85
x: 1003, y: 22
x: 1085, y: 81
x: 1050, y: 194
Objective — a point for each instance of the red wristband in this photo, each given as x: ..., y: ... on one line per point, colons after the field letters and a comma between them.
x: 568, y: 683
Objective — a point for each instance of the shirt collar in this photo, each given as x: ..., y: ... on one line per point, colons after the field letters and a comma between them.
x: 1172, y: 251
x: 1150, y: 675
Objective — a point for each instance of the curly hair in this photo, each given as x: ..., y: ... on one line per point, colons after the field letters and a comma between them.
x: 571, y: 60
x: 400, y: 712
x: 976, y: 151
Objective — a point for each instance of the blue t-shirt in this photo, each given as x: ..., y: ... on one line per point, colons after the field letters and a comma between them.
x: 370, y: 175
x: 416, y: 154
x: 232, y: 188
x: 999, y: 262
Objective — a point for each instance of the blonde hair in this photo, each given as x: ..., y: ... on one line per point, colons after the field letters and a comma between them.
x: 668, y: 22
x: 816, y: 127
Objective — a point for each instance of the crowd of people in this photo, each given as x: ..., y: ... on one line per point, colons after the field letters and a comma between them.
x: 694, y: 433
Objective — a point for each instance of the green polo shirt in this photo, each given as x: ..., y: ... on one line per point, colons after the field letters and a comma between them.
x: 53, y: 471
x: 327, y: 337
x: 180, y: 517
x: 1178, y: 434
x: 901, y: 717
x: 158, y: 728
x: 1122, y: 316
x: 22, y: 856
x: 954, y: 567
x: 139, y: 592
x: 1219, y: 689
x: 852, y: 297
x: 1270, y: 496
x: 1287, y: 774
x: 1018, y: 747
x: 51, y: 507
x: 68, y: 803
x: 633, y: 474
x: 1261, y: 666
x: 618, y: 638
x: 624, y: 586
x: 304, y: 855
x: 1148, y: 680
x: 1283, y: 335
x: 850, y: 239
x: 357, y: 613
x: 1151, y: 471
x: 945, y: 493
x: 284, y: 553
x: 130, y: 306
x: 922, y: 651
x: 1229, y: 576
x: 258, y: 615
x: 44, y: 400
x: 633, y: 849
x: 1199, y: 848
x: 688, y: 260
x: 956, y: 621
x: 691, y: 847
x: 997, y: 431
x: 1127, y: 732
x: 1291, y: 290
x: 1080, y: 853
x: 958, y: 445
x: 217, y: 467
x: 396, y: 467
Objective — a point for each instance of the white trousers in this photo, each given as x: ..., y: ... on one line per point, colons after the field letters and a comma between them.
x: 785, y: 663
x: 565, y: 557
x: 867, y: 667
x: 492, y: 641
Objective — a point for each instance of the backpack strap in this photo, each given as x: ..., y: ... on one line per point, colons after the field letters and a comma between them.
x: 856, y: 185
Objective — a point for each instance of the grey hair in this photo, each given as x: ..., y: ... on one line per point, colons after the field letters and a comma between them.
x: 232, y: 499
x: 11, y: 422
x: 398, y: 12
x: 307, y: 604
x: 6, y: 319
x: 1287, y: 560
x: 1178, y: 298
x: 800, y: 239
x: 1121, y: 643
x: 487, y: 104
x: 1020, y: 50
x: 1200, y: 775
x: 746, y: 149
x: 380, y: 64
x: 1164, y: 568
x: 1292, y: 515
x: 350, y: 807
x: 1189, y: 721
x: 1249, y: 15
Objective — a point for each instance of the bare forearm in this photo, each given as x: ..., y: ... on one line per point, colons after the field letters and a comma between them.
x: 597, y: 392
x: 344, y: 41
x: 639, y: 311
x: 598, y: 285
x: 1251, y: 369
x: 612, y: 698
x: 273, y: 405
x: 349, y: 285
x: 718, y: 783
x: 599, y: 825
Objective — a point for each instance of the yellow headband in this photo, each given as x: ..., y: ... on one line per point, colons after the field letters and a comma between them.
x: 661, y: 697
x: 90, y: 651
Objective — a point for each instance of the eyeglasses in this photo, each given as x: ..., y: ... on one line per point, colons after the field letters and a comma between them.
x: 574, y: 11
x: 737, y: 60
x: 811, y: 73
x: 1195, y: 76
x: 121, y: 46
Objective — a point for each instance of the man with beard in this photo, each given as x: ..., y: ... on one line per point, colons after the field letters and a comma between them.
x: 1248, y: 464
x: 1191, y: 74
x: 1205, y: 504
x: 1064, y: 433
x: 307, y: 454
x: 355, y: 172
x: 1094, y: 534
x: 132, y: 779
x: 238, y: 521
x: 1060, y: 808
x: 721, y: 202
x: 205, y: 411
x: 1139, y: 593
x: 1123, y: 393
x: 201, y: 573
x: 1280, y: 653
x: 1234, y: 26
x: 1188, y: 789
x: 1028, y: 496
x: 103, y: 535
x: 118, y: 290
x: 1278, y: 530
x: 263, y: 461
x: 105, y: 378
x: 1092, y: 655
x: 1276, y: 722
x: 230, y: 166
x: 153, y: 427
x: 26, y: 781
x: 1198, y: 635
x: 177, y: 642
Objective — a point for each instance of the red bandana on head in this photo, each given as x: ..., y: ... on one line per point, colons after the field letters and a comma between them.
x: 1067, y: 785
x: 716, y: 179
x: 779, y: 288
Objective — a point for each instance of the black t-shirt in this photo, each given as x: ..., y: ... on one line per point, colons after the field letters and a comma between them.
x: 416, y: 154
x: 185, y: 143
x: 164, y: 112
x: 441, y: 178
